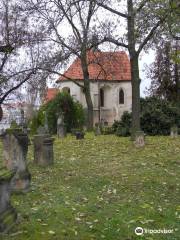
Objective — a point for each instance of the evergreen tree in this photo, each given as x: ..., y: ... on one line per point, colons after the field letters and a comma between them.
x: 165, y: 72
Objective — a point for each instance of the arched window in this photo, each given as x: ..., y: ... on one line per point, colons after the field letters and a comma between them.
x: 121, y: 96
x: 101, y: 97
x: 66, y: 89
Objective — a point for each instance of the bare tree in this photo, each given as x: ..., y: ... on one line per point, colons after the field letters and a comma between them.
x: 143, y: 19
x: 78, y: 16
x: 19, y: 51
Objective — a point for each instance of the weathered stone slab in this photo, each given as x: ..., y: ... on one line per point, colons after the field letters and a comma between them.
x: 15, y: 148
x: 139, y: 139
x: 43, y: 150
x: 8, y: 214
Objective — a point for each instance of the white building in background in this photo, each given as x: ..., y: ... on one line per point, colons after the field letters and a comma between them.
x: 11, y: 112
x: 110, y: 84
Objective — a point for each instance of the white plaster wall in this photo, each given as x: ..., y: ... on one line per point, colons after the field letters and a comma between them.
x: 112, y: 110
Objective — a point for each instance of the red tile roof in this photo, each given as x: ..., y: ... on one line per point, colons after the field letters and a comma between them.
x: 50, y: 94
x: 102, y: 66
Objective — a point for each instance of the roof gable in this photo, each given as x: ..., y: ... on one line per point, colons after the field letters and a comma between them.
x: 101, y: 66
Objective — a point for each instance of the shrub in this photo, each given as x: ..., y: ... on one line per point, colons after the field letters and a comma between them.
x: 122, y: 127
x: 107, y: 130
x: 62, y: 103
x: 157, y: 117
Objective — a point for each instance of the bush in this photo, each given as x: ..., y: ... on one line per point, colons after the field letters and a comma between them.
x: 107, y: 130
x: 122, y: 128
x: 62, y: 103
x: 157, y: 117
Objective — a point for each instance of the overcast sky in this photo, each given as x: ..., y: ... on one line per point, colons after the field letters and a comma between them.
x: 146, y: 58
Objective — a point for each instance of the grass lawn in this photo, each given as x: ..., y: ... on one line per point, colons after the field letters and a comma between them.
x: 102, y: 188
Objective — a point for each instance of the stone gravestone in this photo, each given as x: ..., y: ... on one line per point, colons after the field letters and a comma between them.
x: 15, y: 148
x: 61, y: 130
x: 43, y: 148
x: 139, y: 139
x: 174, y: 132
x: 8, y: 215
x: 97, y: 131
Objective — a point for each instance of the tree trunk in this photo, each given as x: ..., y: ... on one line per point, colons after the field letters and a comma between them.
x: 89, y: 105
x: 135, y: 94
x: 134, y: 69
x: 90, y: 113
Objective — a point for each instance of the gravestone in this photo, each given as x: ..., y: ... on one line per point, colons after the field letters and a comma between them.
x: 174, y: 132
x: 43, y: 150
x: 15, y: 148
x: 8, y: 215
x: 61, y: 130
x: 97, y: 130
x: 139, y: 139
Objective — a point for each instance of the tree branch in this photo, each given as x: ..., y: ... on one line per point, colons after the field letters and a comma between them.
x: 109, y: 39
x: 151, y: 33
x: 112, y: 10
x: 15, y: 87
x: 141, y: 6
x: 63, y: 75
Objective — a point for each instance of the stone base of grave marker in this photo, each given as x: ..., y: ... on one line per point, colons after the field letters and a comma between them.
x: 43, y: 150
x: 139, y: 139
x: 8, y: 215
x: 15, y: 147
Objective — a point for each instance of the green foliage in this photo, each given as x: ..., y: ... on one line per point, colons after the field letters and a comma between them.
x: 101, y: 188
x: 122, y: 128
x: 14, y: 124
x: 63, y: 103
x: 157, y: 118
x: 107, y: 130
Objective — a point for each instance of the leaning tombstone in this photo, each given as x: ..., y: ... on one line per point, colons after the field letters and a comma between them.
x: 139, y: 139
x: 43, y: 148
x: 8, y: 215
x: 174, y: 132
x: 61, y: 129
x: 15, y: 148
